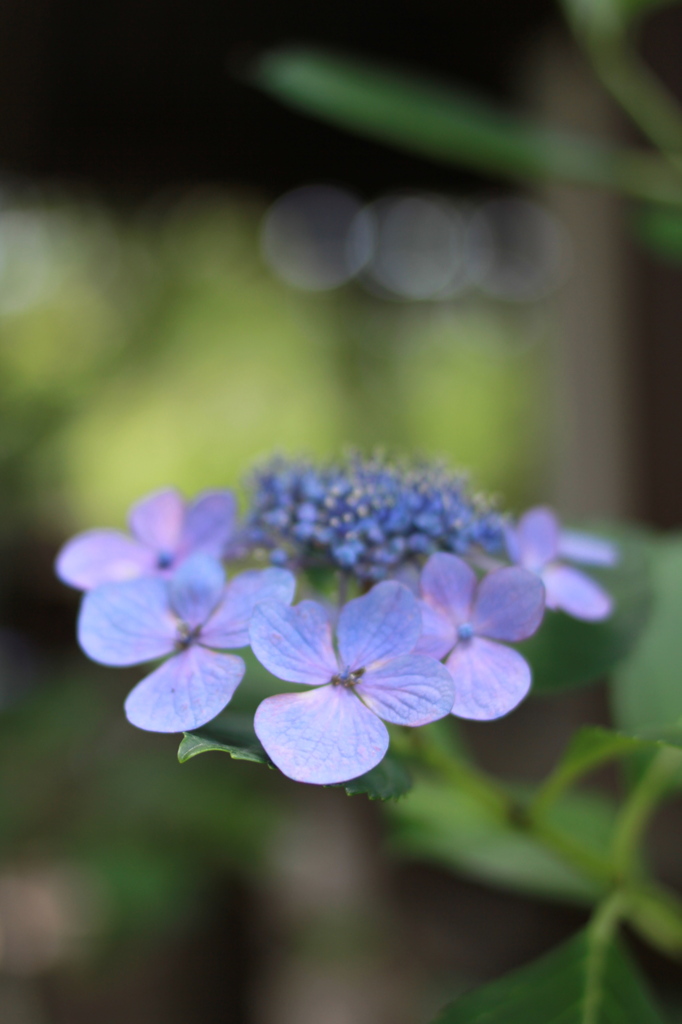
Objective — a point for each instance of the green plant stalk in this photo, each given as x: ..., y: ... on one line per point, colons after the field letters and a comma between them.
x: 638, y: 809
x: 599, y: 935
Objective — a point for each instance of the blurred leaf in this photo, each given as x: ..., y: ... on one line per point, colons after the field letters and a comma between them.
x: 660, y: 229
x: 566, y: 652
x: 388, y: 781
x: 581, y: 982
x: 455, y: 830
x: 647, y: 690
x: 446, y: 125
x: 231, y: 734
x: 609, y: 15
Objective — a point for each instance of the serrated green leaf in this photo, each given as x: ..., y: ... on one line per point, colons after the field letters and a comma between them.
x: 566, y: 652
x: 388, y: 781
x: 647, y: 688
x: 450, y: 126
x: 455, y: 830
x: 581, y: 982
x: 230, y: 734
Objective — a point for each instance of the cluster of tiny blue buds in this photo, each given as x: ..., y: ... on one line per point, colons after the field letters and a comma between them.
x: 366, y: 516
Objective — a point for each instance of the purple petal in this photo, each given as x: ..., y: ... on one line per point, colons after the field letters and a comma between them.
x: 576, y: 594
x: 583, y: 547
x: 229, y: 625
x: 157, y: 521
x: 103, y: 556
x: 448, y: 583
x: 439, y: 632
x: 490, y: 679
x: 195, y: 589
x: 411, y: 690
x: 294, y: 644
x: 209, y: 523
x: 537, y: 536
x: 126, y: 623
x: 186, y: 691
x: 385, y: 623
x: 509, y: 605
x: 323, y: 736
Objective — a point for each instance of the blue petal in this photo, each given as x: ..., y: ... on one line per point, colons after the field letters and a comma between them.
x: 537, y: 537
x: 385, y: 623
x: 195, y: 589
x: 448, y: 583
x: 186, y: 691
x: 323, y: 736
x: 509, y: 605
x: 438, y: 635
x: 157, y: 521
x: 411, y: 690
x: 103, y: 556
x: 576, y: 594
x: 126, y: 623
x: 294, y: 644
x: 583, y: 547
x: 209, y: 523
x: 229, y: 625
x: 490, y: 679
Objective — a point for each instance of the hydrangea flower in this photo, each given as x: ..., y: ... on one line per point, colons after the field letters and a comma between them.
x: 465, y: 619
x: 166, y: 530
x: 537, y: 542
x: 192, y: 616
x: 366, y: 516
x: 334, y: 732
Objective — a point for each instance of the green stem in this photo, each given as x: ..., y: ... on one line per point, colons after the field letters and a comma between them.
x: 599, y: 935
x: 638, y: 809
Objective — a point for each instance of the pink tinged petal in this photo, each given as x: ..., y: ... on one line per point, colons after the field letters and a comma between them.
x: 438, y: 635
x: 411, y: 690
x: 385, y: 623
x: 185, y: 692
x: 295, y: 644
x: 157, y: 521
x: 126, y: 623
x: 537, y: 536
x: 583, y: 547
x: 448, y: 584
x: 229, y: 625
x: 103, y: 556
x: 509, y: 605
x: 323, y: 736
x: 195, y: 589
x: 490, y: 679
x: 573, y: 592
x: 209, y: 523
x: 511, y: 538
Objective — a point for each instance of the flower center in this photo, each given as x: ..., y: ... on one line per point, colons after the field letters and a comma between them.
x: 347, y: 678
x: 465, y: 631
x: 186, y: 636
x: 164, y: 560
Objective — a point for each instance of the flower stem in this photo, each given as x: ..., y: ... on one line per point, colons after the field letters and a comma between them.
x: 638, y: 809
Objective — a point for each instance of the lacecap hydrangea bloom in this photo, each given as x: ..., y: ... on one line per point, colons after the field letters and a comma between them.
x: 335, y: 731
x: 366, y: 516
x: 165, y: 531
x: 537, y: 543
x: 190, y: 619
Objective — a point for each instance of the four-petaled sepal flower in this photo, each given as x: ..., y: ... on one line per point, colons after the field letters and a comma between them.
x: 537, y: 543
x: 335, y: 731
x: 193, y: 617
x: 465, y: 620
x: 166, y: 530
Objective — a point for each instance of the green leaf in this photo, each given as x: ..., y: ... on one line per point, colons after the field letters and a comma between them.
x: 388, y: 781
x: 232, y: 734
x: 647, y: 689
x: 450, y: 126
x: 566, y: 652
x: 455, y: 830
x: 584, y: 981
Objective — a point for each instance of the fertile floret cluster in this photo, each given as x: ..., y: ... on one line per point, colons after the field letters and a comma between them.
x: 366, y: 516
